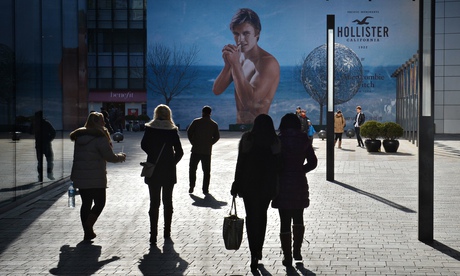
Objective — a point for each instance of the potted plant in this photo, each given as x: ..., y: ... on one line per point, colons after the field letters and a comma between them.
x: 372, y: 130
x: 391, y: 131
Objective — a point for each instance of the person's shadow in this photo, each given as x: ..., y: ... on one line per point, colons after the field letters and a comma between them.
x: 80, y: 260
x: 161, y: 263
x: 207, y: 201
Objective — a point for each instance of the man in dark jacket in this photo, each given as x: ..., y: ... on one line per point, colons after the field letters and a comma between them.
x: 44, y: 134
x: 202, y: 133
x: 360, y: 118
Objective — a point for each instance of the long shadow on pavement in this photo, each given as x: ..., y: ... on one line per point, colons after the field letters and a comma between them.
x: 449, y: 251
x: 34, y: 206
x: 80, y: 260
x: 376, y: 197
x: 167, y: 262
x: 208, y: 201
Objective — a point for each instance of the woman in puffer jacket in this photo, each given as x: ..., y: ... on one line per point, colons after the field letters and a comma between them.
x: 293, y: 194
x: 92, y: 151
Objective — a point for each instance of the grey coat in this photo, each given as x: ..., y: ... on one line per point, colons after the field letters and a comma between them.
x: 92, y: 151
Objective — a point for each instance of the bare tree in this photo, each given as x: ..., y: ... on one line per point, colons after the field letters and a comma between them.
x: 170, y: 71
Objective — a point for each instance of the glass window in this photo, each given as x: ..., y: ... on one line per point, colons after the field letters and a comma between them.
x: 136, y: 60
x: 104, y: 4
x: 92, y: 72
x: 120, y: 60
x: 121, y: 83
x: 121, y: 4
x: 92, y: 83
x: 121, y: 72
x: 137, y: 84
x: 105, y: 60
x: 105, y: 72
x: 121, y: 15
x: 105, y: 15
x: 105, y: 83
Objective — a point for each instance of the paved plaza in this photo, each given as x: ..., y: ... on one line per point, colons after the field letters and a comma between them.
x: 363, y: 223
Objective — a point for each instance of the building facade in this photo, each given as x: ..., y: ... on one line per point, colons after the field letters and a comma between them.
x: 66, y: 58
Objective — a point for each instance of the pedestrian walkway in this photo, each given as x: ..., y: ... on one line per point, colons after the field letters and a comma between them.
x: 363, y: 223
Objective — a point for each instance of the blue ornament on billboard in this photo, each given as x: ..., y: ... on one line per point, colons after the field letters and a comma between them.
x: 348, y: 74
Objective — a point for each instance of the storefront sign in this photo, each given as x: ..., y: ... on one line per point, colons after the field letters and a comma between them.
x: 117, y: 96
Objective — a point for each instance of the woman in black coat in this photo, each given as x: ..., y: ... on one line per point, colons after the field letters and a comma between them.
x: 293, y: 195
x: 161, y: 138
x: 256, y: 179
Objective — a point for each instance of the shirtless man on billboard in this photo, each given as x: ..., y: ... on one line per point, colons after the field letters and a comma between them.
x: 254, y: 72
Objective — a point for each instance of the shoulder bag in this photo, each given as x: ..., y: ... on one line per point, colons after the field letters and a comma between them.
x: 148, y: 168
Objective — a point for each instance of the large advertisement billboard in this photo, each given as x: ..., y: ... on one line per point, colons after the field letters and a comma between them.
x: 373, y: 39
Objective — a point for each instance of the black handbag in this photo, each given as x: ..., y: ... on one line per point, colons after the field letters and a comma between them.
x: 233, y: 229
x: 148, y: 168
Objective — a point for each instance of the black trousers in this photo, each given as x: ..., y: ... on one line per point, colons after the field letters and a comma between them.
x: 358, y: 136
x: 88, y: 197
x: 160, y: 193
x: 286, y: 216
x: 47, y: 150
x: 205, y: 159
x: 256, y: 222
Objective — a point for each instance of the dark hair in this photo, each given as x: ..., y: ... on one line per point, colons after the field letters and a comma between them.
x: 290, y: 120
x: 206, y: 110
x: 264, y: 130
x: 246, y: 15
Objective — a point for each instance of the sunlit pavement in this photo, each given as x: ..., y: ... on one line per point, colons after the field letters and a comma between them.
x: 363, y: 223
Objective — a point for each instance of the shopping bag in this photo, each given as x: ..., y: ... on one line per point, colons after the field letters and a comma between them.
x: 233, y: 229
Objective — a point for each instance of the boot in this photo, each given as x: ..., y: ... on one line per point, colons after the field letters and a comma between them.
x: 286, y: 247
x: 88, y: 227
x: 168, y: 212
x: 340, y: 145
x: 298, y: 233
x: 254, y: 263
x: 153, y: 214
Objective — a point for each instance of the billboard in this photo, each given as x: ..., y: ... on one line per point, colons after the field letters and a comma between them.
x: 373, y: 39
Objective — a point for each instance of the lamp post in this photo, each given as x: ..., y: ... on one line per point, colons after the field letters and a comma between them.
x: 426, y: 122
x: 330, y: 99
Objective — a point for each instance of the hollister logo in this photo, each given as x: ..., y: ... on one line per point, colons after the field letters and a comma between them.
x: 363, y: 31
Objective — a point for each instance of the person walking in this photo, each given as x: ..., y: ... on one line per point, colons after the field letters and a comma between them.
x: 202, y: 133
x: 256, y: 179
x: 339, y: 126
x: 92, y: 151
x: 360, y: 118
x: 44, y: 134
x: 161, y: 142
x: 293, y: 194
x: 304, y: 121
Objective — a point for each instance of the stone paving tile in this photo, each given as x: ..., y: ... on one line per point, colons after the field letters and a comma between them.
x: 363, y: 223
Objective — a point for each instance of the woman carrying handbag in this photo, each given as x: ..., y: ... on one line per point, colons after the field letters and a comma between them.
x: 163, y: 147
x: 256, y: 179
